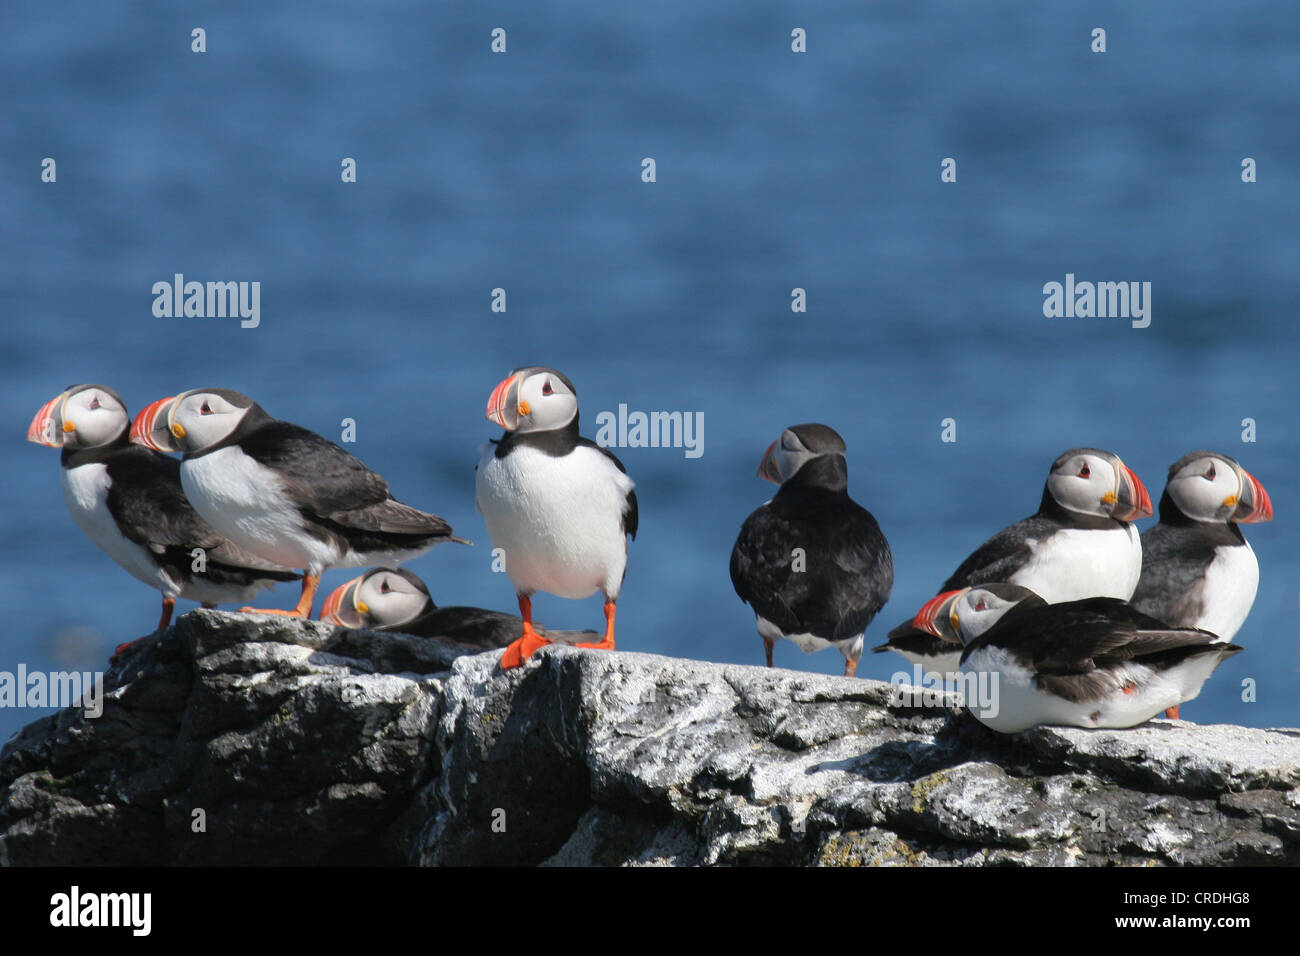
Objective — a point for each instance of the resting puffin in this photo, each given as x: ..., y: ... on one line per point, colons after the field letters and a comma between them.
x: 1079, y: 544
x: 128, y: 500
x: 394, y: 599
x: 281, y: 491
x: 1098, y: 662
x: 1198, y: 570
x: 812, y: 562
x: 557, y: 505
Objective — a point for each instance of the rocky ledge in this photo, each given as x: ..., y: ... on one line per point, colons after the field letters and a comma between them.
x: 235, y: 739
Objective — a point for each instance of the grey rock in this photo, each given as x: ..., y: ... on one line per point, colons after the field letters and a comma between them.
x: 303, y: 743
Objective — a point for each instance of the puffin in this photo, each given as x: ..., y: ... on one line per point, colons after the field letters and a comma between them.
x: 1198, y: 570
x: 394, y: 599
x: 128, y: 500
x: 812, y: 562
x: 1080, y: 543
x: 1096, y: 662
x: 282, y: 492
x: 558, y: 507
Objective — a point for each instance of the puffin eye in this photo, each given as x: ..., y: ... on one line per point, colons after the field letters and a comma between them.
x: 384, y: 588
x: 94, y: 403
x: 546, y: 388
x: 981, y: 605
x: 206, y: 409
x: 1085, y: 472
x: 1209, y: 475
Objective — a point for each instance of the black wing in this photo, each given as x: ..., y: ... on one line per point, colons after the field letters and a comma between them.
x: 848, y: 570
x: 1073, y: 645
x: 1174, y: 561
x: 332, y: 486
x: 149, y: 506
x: 1001, y: 556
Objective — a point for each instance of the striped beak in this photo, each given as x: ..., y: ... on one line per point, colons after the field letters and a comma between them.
x: 340, y: 607
x: 1254, y: 504
x: 767, y: 468
x: 47, y: 427
x: 151, y: 428
x: 503, y: 405
x: 1131, y: 500
x: 934, y: 616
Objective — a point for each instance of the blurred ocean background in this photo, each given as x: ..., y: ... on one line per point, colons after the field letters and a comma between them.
x: 775, y: 170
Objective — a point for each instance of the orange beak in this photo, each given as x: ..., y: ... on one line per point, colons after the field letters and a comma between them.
x: 145, y: 429
x: 1255, y: 504
x: 930, y: 611
x: 339, y: 608
x: 767, y: 468
x: 44, y: 429
x: 503, y: 404
x: 1132, y: 501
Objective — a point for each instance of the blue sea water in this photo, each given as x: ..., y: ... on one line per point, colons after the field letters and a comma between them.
x: 775, y: 170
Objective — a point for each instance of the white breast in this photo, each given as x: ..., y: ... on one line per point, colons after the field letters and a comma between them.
x: 85, y: 489
x: 1231, y: 581
x: 1074, y: 564
x: 1014, y: 702
x: 246, y: 502
x: 557, y: 520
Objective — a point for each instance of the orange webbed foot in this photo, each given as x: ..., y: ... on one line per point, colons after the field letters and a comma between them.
x: 605, y: 645
x: 1172, y: 713
x: 522, y: 649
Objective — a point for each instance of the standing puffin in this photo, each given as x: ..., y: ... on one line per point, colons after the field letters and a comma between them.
x: 812, y: 562
x: 1098, y: 662
x: 1198, y: 570
x: 557, y: 505
x: 281, y: 491
x: 128, y: 500
x: 394, y: 599
x: 1079, y: 544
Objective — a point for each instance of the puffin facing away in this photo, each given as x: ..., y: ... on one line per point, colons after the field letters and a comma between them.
x: 282, y: 492
x: 1098, y: 662
x: 1079, y: 544
x: 1198, y: 570
x: 812, y: 562
x: 557, y: 505
x: 128, y: 500
x: 394, y: 599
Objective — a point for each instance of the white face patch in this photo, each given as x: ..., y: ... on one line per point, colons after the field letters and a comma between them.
x: 1206, y: 489
x: 206, y: 419
x: 978, y: 610
x: 1082, y: 482
x: 97, y: 417
x: 390, y: 599
x: 549, y: 402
